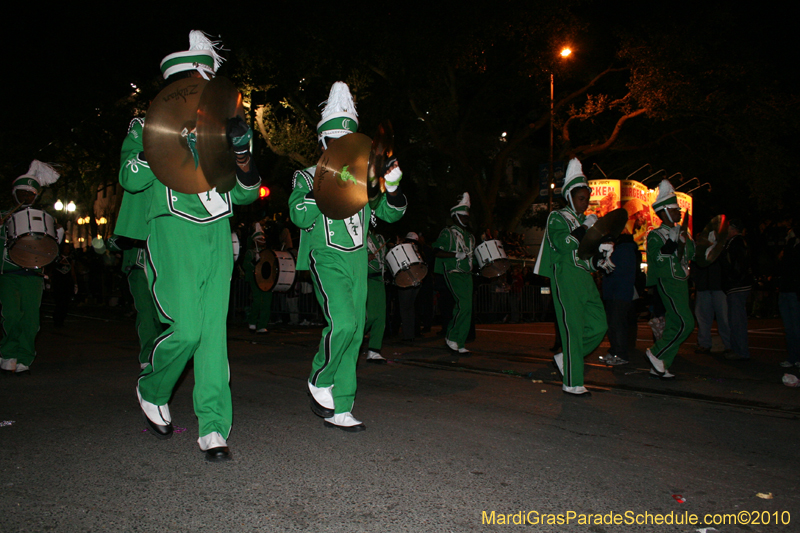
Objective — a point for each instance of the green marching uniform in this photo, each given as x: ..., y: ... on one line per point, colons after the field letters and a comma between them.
x: 189, y: 266
x: 335, y: 252
x: 148, y: 326
x: 20, y: 297
x: 458, y: 276
x: 376, y: 292
x: 579, y: 311
x: 21, y: 288
x: 261, y: 308
x: 130, y: 235
x: 669, y: 274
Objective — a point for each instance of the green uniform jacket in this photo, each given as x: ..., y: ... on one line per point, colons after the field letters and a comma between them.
x: 377, y: 245
x: 321, y: 233
x: 661, y: 264
x: 454, y: 239
x: 136, y: 177
x: 559, y: 245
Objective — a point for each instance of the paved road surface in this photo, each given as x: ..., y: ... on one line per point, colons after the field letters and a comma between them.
x: 449, y: 440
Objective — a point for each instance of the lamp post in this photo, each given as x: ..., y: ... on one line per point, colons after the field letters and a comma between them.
x: 565, y: 52
x: 68, y: 209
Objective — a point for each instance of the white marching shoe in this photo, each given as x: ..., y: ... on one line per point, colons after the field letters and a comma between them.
x: 558, y: 359
x: 375, y: 357
x: 321, y: 400
x: 345, y: 422
x: 576, y: 391
x: 215, y: 446
x: 655, y: 362
x: 157, y: 417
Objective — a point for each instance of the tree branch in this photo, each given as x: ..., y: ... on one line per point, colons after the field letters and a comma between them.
x: 589, y: 149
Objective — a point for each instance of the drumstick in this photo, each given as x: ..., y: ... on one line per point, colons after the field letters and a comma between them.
x: 10, y: 213
x: 373, y: 254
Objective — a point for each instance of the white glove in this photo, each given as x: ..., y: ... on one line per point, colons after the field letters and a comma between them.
x: 607, y: 248
x: 674, y: 233
x: 590, y: 220
x: 460, y: 256
x: 392, y: 179
x: 712, y: 238
x: 606, y: 265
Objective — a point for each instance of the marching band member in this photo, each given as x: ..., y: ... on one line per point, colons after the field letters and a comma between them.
x: 336, y: 253
x: 375, y: 323
x: 454, y: 248
x: 21, y: 288
x: 579, y: 311
x: 261, y: 308
x: 189, y: 266
x: 668, y: 253
x: 407, y: 297
x: 148, y: 326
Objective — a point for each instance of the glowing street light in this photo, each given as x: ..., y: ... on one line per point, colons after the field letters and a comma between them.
x: 59, y: 205
x: 565, y: 52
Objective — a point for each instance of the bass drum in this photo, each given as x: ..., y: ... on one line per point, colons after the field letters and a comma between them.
x: 275, y: 271
x: 236, y: 246
x: 492, y: 259
x: 31, y: 238
x: 406, y: 264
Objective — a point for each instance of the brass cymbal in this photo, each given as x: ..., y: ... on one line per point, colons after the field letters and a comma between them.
x: 605, y: 229
x: 719, y: 225
x: 219, y: 102
x: 340, y: 181
x: 171, y: 115
x: 382, y: 148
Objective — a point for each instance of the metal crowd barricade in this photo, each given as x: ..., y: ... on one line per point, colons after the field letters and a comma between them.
x: 492, y: 303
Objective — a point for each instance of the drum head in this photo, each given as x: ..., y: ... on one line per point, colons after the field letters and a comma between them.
x: 266, y: 270
x: 411, y: 276
x: 33, y: 251
x: 496, y: 268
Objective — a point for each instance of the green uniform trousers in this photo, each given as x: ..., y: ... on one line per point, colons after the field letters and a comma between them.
x: 376, y: 312
x: 679, y: 322
x: 189, y: 269
x: 261, y: 308
x: 20, y: 296
x: 340, y: 283
x: 148, y: 326
x: 460, y: 285
x: 580, y: 316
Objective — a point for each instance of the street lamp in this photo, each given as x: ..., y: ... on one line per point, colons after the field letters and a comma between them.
x: 565, y: 52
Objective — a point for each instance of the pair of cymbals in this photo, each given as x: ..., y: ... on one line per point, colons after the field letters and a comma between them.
x: 349, y: 172
x: 605, y: 229
x: 193, y: 105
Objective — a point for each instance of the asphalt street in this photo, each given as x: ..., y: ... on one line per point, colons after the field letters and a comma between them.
x: 478, y: 443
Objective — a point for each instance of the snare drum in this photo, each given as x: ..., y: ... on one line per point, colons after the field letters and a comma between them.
x: 406, y: 264
x: 275, y: 271
x: 31, y: 238
x: 492, y: 259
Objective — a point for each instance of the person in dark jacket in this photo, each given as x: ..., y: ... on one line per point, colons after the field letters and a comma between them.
x: 618, y: 296
x: 737, y: 279
x: 710, y: 303
x: 789, y: 297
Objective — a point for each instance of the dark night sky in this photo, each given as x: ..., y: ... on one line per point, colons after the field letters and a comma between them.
x: 67, y: 60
